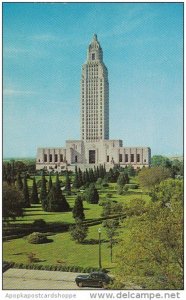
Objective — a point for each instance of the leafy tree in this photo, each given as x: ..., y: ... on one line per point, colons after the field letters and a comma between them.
x: 167, y: 190
x: 149, y: 177
x: 92, y: 195
x: 135, y: 207
x: 43, y: 193
x: 176, y: 168
x: 151, y: 254
x: 13, y: 171
x: 159, y: 160
x: 79, y: 232
x: 26, y: 193
x: 78, y: 209
x: 34, y: 194
x: 111, y: 227
x: 49, y: 183
x: 68, y: 184
x: 12, y: 200
x: 19, y: 183
x: 107, y: 209
x: 112, y: 208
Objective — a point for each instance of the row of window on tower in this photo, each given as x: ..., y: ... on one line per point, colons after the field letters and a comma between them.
x: 53, y: 158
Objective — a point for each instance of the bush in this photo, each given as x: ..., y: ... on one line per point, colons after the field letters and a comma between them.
x: 120, y: 190
x: 39, y: 223
x: 109, y: 195
x: 56, y: 268
x: 32, y: 257
x: 131, y: 186
x: 105, y: 185
x: 37, y: 238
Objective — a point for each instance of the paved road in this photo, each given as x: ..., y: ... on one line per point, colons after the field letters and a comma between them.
x: 22, y: 279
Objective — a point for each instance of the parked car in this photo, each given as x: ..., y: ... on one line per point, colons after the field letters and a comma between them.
x: 6, y: 266
x: 94, y: 279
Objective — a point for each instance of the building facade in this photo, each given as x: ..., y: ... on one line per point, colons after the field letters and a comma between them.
x: 94, y: 95
x: 94, y: 148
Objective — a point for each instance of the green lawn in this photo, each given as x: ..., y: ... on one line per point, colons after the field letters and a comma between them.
x: 62, y: 248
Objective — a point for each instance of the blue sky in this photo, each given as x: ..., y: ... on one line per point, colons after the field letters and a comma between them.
x: 44, y: 47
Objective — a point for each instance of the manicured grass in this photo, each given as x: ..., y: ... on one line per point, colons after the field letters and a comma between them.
x: 62, y: 249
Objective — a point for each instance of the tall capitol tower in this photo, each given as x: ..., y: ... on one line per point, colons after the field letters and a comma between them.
x: 94, y: 95
x: 94, y: 147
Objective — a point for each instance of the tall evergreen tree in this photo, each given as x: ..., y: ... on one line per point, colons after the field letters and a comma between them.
x: 67, y: 184
x: 4, y: 172
x: 80, y: 177
x: 62, y: 204
x: 26, y: 193
x: 13, y: 173
x: 52, y: 201
x: 49, y: 183
x: 87, y: 177
x: 95, y: 173
x: 78, y: 208
x: 76, y: 183
x: 43, y: 193
x: 92, y: 195
x: 19, y: 182
x: 34, y: 194
x: 84, y: 178
x: 97, y: 169
x: 122, y: 179
x: 8, y: 171
x: 104, y: 170
x: 91, y: 175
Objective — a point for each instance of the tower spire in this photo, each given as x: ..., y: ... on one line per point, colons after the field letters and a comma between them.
x: 95, y: 37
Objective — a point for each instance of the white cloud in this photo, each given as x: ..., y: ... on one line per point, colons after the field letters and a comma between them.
x: 45, y: 37
x: 14, y: 92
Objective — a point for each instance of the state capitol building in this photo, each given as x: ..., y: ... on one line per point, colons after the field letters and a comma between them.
x: 94, y: 148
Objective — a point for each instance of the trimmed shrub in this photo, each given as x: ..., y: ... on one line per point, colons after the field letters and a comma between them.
x: 57, y: 268
x: 39, y: 223
x: 132, y: 186
x: 37, y: 238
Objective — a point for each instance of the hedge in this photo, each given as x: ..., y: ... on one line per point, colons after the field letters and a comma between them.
x: 132, y: 186
x: 56, y: 268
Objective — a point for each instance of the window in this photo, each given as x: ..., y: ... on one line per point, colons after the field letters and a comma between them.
x: 107, y: 158
x: 138, y: 157
x: 120, y: 158
x: 92, y: 156
x: 93, y: 56
x: 45, y: 157
x: 76, y: 158
x: 132, y: 157
x: 56, y: 157
x: 50, y: 158
x: 126, y: 158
